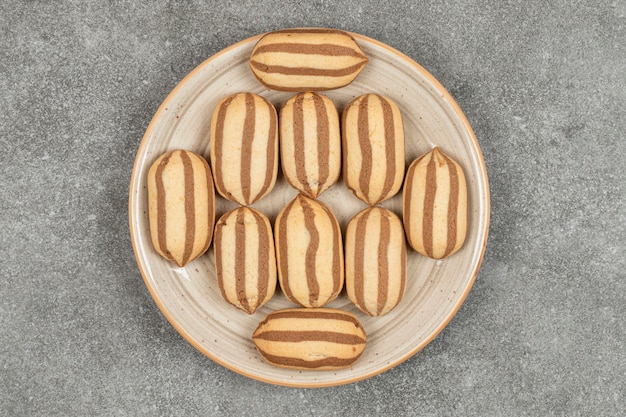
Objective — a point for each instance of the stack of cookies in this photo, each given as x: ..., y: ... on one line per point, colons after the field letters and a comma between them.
x: 305, y: 252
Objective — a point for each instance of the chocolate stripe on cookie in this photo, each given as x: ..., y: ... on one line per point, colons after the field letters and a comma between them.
x: 402, y: 269
x: 453, y: 202
x: 293, y: 336
x: 217, y: 250
x: 325, y: 49
x: 406, y: 200
x: 298, y: 143
x: 240, y: 260
x: 218, y: 147
x: 359, y: 260
x: 306, y: 71
x: 390, y: 146
x: 323, y: 140
x: 263, y: 256
x: 161, y: 212
x: 364, y: 145
x: 337, y: 251
x: 429, y: 205
x: 210, y: 205
x: 407, y: 209
x: 190, y: 207
x: 247, y: 140
x: 383, y: 263
x: 270, y: 172
x: 311, y: 253
x: 326, y: 314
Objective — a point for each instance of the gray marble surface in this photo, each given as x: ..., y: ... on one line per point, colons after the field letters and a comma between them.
x: 542, y: 332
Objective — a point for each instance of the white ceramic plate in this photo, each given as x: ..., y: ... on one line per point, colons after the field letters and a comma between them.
x: 189, y: 296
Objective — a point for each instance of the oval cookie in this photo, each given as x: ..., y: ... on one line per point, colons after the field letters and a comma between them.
x: 181, y: 206
x: 244, y: 147
x: 310, y: 143
x: 375, y: 260
x: 306, y: 59
x: 435, y: 205
x: 309, y: 252
x: 310, y: 338
x: 245, y: 261
x: 373, y: 148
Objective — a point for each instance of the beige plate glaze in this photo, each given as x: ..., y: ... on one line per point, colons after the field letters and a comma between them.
x: 189, y: 296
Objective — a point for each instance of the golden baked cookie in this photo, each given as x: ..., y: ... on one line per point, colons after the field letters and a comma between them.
x: 375, y: 259
x: 373, y: 148
x: 245, y: 260
x: 310, y: 338
x: 307, y: 59
x: 309, y: 252
x: 435, y: 205
x: 310, y: 143
x: 181, y: 206
x: 244, y: 147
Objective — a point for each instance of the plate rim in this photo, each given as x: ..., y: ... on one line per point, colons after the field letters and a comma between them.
x: 407, y: 355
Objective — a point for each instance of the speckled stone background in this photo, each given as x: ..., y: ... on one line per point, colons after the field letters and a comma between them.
x: 543, y: 331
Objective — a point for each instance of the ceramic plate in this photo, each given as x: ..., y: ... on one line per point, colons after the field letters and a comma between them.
x: 189, y: 296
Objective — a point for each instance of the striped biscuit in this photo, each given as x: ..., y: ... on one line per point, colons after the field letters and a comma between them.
x: 373, y: 148
x: 435, y: 205
x: 181, y: 206
x: 310, y: 143
x: 307, y: 59
x: 245, y: 261
x: 309, y: 252
x: 310, y: 338
x: 244, y: 147
x: 375, y: 261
